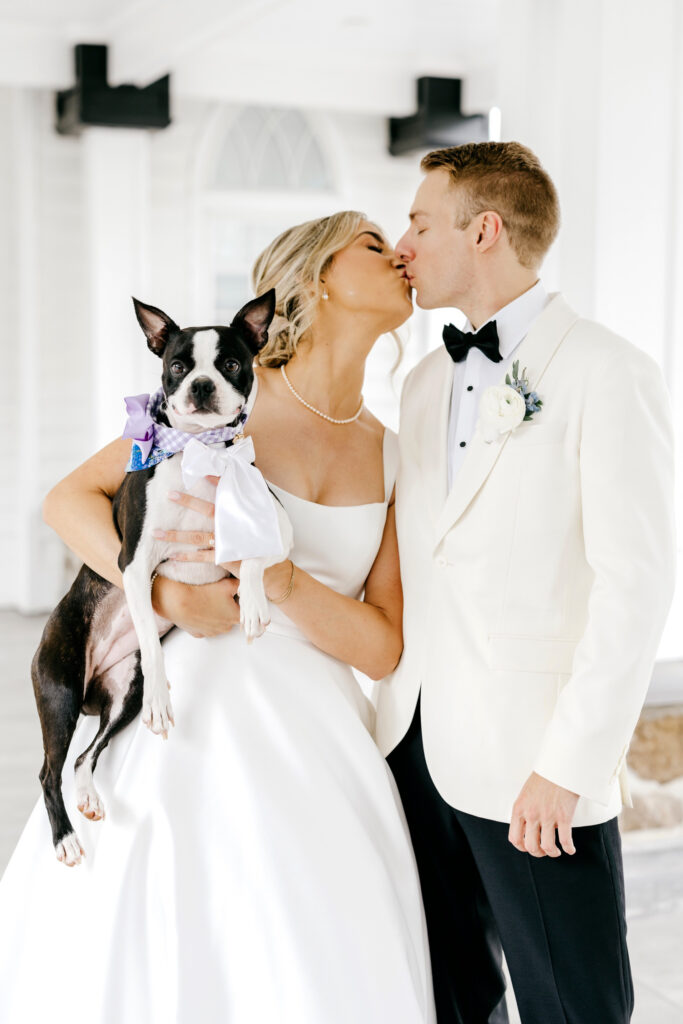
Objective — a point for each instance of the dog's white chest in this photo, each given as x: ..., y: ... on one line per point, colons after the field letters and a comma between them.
x: 165, y: 514
x: 168, y: 477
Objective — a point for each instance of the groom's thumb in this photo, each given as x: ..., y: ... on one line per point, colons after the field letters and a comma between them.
x: 564, y: 832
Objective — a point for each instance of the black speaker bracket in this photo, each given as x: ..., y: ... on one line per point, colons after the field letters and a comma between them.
x: 438, y: 122
x: 93, y: 102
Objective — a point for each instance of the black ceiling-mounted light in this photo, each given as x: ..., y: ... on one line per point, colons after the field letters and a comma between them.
x: 93, y: 102
x: 438, y: 121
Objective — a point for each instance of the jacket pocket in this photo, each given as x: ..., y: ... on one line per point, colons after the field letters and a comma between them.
x: 530, y: 653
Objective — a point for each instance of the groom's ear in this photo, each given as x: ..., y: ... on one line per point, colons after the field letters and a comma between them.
x: 254, y: 319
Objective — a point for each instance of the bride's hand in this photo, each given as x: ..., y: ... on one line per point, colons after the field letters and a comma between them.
x: 204, y: 551
x: 204, y: 541
x: 204, y: 610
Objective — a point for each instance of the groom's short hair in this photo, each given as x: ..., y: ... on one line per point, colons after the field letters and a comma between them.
x: 508, y: 178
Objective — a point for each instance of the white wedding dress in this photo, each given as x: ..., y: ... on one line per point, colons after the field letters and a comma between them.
x: 254, y: 869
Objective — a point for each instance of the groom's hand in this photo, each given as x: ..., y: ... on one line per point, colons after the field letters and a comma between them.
x: 540, y: 809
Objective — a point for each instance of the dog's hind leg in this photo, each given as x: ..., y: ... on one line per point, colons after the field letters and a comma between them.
x: 118, y: 693
x: 157, y: 712
x: 59, y: 707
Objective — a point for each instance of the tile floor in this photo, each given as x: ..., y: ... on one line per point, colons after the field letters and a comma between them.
x: 653, y: 862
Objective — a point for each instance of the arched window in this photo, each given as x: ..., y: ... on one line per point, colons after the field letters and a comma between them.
x: 271, y: 149
x: 266, y: 170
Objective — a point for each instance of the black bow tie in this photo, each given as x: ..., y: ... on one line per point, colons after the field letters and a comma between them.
x: 458, y: 343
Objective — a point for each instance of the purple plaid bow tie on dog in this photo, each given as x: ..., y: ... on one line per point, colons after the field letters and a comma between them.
x: 154, y: 441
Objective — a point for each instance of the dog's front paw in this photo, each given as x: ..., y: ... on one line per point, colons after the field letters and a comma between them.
x: 157, y: 713
x: 69, y: 850
x: 253, y: 613
x: 90, y: 804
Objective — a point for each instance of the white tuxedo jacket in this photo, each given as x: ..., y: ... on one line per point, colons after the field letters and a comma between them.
x: 535, y: 591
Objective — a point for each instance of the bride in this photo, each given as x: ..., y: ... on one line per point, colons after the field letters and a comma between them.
x: 255, y: 869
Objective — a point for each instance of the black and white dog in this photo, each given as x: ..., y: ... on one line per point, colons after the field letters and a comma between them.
x: 100, y: 653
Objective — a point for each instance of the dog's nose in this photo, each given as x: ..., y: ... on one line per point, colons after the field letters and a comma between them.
x: 202, y: 388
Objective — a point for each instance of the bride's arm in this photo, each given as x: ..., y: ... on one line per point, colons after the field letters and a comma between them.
x: 78, y: 508
x: 367, y: 634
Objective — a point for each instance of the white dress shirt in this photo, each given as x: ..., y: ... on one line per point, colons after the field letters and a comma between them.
x: 477, y: 372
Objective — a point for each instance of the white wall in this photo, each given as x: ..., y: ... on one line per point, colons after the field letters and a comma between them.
x: 10, y: 406
x: 43, y: 289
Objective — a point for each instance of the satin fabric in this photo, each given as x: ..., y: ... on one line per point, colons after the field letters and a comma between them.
x: 256, y: 867
x: 246, y: 524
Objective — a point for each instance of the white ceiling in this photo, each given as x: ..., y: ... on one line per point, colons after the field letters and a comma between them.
x: 362, y: 55
x: 47, y: 12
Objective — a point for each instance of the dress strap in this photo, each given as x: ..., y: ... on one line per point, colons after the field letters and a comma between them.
x: 390, y: 455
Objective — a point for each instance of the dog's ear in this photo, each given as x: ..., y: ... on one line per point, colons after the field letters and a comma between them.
x: 156, y: 325
x: 256, y: 317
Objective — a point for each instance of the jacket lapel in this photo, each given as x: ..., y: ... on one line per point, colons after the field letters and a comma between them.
x: 434, y: 431
x: 535, y: 353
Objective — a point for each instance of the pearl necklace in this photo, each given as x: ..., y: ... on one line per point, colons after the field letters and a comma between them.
x: 324, y: 415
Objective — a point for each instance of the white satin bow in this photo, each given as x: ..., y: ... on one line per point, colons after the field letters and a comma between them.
x: 246, y: 518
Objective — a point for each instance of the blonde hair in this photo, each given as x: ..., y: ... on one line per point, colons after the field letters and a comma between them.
x: 291, y: 264
x: 508, y: 178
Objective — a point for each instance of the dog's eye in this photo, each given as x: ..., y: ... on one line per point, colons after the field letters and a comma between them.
x: 177, y: 368
x: 232, y: 366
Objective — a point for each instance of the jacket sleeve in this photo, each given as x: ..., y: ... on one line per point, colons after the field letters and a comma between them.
x: 627, y: 495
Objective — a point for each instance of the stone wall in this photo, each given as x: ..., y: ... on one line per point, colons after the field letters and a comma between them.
x: 655, y: 762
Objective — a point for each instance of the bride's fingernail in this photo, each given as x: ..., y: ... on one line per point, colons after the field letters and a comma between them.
x: 173, y: 495
x: 159, y: 533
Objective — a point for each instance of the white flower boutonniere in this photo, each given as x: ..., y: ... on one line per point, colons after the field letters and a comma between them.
x: 505, y: 406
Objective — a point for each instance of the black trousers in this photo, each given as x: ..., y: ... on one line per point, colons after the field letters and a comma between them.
x: 561, y: 920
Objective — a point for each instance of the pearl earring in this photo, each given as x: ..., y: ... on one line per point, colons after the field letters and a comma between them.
x: 325, y: 295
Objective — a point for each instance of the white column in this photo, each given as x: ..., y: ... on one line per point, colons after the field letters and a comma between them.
x: 673, y: 323
x: 673, y: 320
x: 639, y: 223
x: 549, y: 68
x: 25, y: 574
x: 636, y: 183
x: 595, y: 88
x: 116, y: 167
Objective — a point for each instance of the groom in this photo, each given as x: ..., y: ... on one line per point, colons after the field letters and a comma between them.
x: 536, y: 535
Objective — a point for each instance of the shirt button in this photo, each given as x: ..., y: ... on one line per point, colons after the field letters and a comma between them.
x: 463, y: 443
x: 469, y: 387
